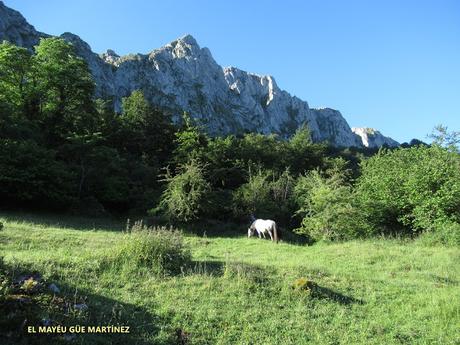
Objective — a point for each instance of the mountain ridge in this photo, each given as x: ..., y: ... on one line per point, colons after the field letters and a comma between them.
x: 182, y: 76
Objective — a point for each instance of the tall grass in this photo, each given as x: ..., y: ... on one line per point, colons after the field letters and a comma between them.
x: 158, y: 250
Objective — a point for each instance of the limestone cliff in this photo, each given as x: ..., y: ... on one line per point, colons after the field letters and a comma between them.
x: 182, y: 76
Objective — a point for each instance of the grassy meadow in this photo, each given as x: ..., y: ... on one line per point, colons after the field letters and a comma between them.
x: 235, y: 291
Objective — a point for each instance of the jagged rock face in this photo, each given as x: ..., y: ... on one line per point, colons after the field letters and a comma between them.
x: 102, y: 72
x: 335, y: 129
x: 372, y: 138
x: 15, y: 29
x: 181, y: 76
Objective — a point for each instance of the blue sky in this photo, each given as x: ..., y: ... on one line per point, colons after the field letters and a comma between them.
x: 391, y: 65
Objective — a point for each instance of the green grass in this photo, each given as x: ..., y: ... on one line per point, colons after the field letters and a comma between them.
x: 239, y: 290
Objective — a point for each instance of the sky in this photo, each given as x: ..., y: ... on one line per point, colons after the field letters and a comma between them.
x: 386, y: 64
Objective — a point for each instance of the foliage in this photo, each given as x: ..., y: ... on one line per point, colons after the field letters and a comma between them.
x: 446, y: 233
x: 414, y: 188
x: 443, y: 137
x: 30, y: 173
x: 328, y: 208
x: 144, y: 131
x: 60, y: 147
x: 185, y: 194
x: 190, y: 142
x: 16, y: 64
x: 64, y: 89
x: 301, y: 154
x: 265, y: 195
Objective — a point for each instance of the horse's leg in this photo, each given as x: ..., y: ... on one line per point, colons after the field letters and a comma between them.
x: 258, y: 233
x: 271, y: 236
x: 263, y: 234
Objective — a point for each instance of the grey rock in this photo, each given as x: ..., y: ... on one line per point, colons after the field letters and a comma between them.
x: 372, y: 138
x: 15, y: 29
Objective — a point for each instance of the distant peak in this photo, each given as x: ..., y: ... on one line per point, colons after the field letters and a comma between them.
x: 185, y: 46
x: 188, y: 39
x: 367, y: 130
x: 372, y: 138
x: 111, y: 52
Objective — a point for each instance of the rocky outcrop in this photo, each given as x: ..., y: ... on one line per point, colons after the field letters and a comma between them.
x: 372, y: 138
x: 335, y: 129
x: 182, y: 76
x: 103, y: 73
x: 15, y: 29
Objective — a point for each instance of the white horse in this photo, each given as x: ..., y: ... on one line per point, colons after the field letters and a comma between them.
x: 263, y: 226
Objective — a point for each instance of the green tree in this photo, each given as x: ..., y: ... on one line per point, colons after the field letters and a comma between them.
x: 31, y: 176
x: 301, y: 153
x: 328, y: 208
x: 190, y: 142
x: 64, y: 89
x: 144, y: 131
x: 443, y: 137
x: 411, y: 189
x: 15, y: 65
x: 185, y: 195
x: 267, y: 194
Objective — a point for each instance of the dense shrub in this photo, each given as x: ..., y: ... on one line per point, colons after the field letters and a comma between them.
x: 415, y: 189
x: 158, y: 250
x: 185, y: 195
x: 30, y: 174
x: 328, y: 208
x: 446, y: 233
x: 265, y: 195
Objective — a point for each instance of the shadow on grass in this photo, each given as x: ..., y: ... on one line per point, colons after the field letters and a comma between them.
x: 320, y: 292
x: 232, y: 270
x: 212, y: 268
x: 39, y: 306
x: 216, y: 229
x: 444, y: 280
x: 65, y: 221
x: 208, y: 228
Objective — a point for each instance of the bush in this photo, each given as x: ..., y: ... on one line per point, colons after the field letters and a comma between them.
x: 156, y: 249
x: 185, y: 195
x: 328, y: 208
x: 416, y: 189
x: 265, y: 195
x: 253, y: 197
x: 31, y: 175
x: 447, y: 233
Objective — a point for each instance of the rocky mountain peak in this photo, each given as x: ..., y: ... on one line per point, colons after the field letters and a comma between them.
x: 189, y: 40
x: 184, y: 47
x: 111, y: 57
x: 182, y: 76
x: 77, y: 42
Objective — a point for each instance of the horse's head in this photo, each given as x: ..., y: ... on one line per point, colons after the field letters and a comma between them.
x: 251, y: 231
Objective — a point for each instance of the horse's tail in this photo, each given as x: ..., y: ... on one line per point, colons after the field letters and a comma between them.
x: 275, y: 232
